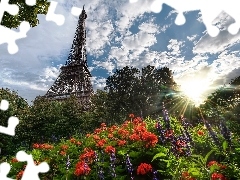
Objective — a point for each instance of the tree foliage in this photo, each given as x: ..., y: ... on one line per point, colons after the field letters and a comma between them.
x: 26, y: 13
x: 224, y: 101
x: 138, y: 92
x: 17, y: 107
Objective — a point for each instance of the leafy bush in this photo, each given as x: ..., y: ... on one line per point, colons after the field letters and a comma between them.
x: 142, y: 149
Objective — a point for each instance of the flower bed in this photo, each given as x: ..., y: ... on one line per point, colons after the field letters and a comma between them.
x: 165, y: 148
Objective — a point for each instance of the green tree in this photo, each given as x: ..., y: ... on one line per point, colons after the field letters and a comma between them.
x: 26, y: 13
x: 224, y: 101
x: 52, y: 118
x: 100, y: 105
x: 17, y: 107
x: 140, y: 92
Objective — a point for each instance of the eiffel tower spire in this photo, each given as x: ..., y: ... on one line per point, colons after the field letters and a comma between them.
x: 74, y: 78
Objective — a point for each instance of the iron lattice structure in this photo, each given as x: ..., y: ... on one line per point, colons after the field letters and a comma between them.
x: 74, y: 78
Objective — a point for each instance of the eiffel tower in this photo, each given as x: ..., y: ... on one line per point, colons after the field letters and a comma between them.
x: 74, y: 78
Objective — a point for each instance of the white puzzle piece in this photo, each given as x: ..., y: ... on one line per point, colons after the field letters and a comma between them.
x: 210, y: 11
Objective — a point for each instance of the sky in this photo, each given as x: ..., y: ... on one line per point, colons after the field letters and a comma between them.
x: 121, y: 34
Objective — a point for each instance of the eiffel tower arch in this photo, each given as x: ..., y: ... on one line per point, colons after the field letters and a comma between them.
x: 74, y: 78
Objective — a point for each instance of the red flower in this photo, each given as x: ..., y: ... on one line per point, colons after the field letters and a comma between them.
x: 135, y: 137
x: 121, y: 142
x: 82, y: 169
x: 96, y: 137
x: 200, y: 133
x: 223, y: 166
x: 144, y: 168
x: 217, y: 176
x: 186, y: 176
x: 35, y: 146
x: 101, y: 143
x: 14, y: 160
x: 97, y: 131
x: 110, y: 135
x: 168, y: 133
x: 73, y: 140
x: 137, y: 120
x: 63, y: 153
x: 212, y: 163
x: 150, y: 139
x: 110, y: 149
x: 181, y: 143
x: 42, y: 146
x: 140, y: 129
x: 47, y: 146
x: 111, y: 129
x: 78, y: 143
x: 64, y: 147
x: 131, y: 115
x: 123, y: 133
x: 103, y: 125
x: 20, y: 174
x: 216, y: 163
x: 88, y: 155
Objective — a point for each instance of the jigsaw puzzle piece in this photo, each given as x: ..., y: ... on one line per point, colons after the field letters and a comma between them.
x: 9, y: 36
x: 133, y: 1
x: 234, y: 13
x: 51, y: 16
x: 207, y: 17
x: 4, y: 105
x: 30, y: 2
x: 31, y: 171
x: 10, y: 130
x: 10, y: 8
x: 209, y: 13
x: 12, y: 121
x: 4, y: 170
x: 76, y: 11
x: 156, y: 6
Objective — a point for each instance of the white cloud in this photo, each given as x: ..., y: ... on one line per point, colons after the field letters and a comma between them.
x: 98, y: 82
x: 174, y: 47
x: 170, y: 13
x: 108, y: 65
x: 192, y: 38
x: 165, y: 27
x: 34, y: 67
x: 224, y: 40
x: 128, y: 12
x: 149, y: 28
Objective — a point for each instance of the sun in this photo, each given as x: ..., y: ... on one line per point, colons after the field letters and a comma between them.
x: 194, y: 89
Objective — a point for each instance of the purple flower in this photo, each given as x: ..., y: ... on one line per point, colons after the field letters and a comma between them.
x: 225, y: 132
x: 212, y: 134
x: 99, y: 168
x: 155, y: 175
x: 112, y: 164
x: 180, y: 146
x: 68, y: 163
x: 129, y: 167
x: 166, y: 117
x: 160, y: 131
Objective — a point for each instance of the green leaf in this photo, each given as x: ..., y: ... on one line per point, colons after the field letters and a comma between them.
x: 158, y: 155
x: 194, y: 171
x: 225, y: 145
x: 122, y: 152
x: 207, y: 156
x: 134, y: 154
x: 213, y: 168
x: 200, y: 158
